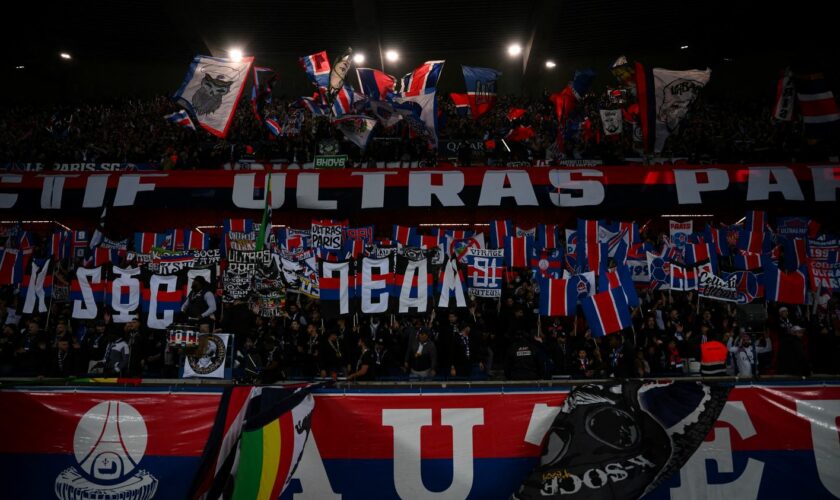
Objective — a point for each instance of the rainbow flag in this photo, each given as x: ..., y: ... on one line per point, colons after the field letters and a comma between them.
x: 265, y: 459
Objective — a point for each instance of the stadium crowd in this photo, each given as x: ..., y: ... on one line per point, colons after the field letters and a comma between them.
x: 496, y: 339
x: 134, y: 131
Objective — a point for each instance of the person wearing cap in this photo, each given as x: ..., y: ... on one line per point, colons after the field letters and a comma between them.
x: 200, y: 302
x: 713, y: 356
x: 421, y: 356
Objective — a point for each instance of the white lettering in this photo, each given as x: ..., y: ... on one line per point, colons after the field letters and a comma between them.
x: 129, y: 185
x: 8, y: 200
x: 689, y: 189
x: 760, y: 186
x: 493, y: 188
x: 592, y: 191
x: 308, y: 196
x: 421, y: 190
x: 244, y: 187
x: 373, y: 188
x: 825, y: 438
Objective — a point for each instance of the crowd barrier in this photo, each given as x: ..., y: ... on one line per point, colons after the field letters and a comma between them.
x: 774, y: 438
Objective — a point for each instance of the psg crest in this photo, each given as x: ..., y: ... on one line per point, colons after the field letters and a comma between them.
x: 108, y: 445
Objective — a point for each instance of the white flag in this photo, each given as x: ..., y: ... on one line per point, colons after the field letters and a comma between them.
x: 356, y: 128
x: 674, y: 92
x: 211, y: 91
x: 208, y: 360
x: 612, y: 121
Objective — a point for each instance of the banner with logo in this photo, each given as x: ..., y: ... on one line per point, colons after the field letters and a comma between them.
x: 768, y: 441
x: 350, y: 190
x: 210, y: 358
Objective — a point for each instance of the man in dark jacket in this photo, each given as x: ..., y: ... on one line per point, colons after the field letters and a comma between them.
x: 421, y: 356
x: 523, y: 361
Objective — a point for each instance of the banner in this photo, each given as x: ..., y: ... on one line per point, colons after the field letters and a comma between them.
x: 210, y: 357
x: 824, y: 262
x: 674, y: 92
x: 769, y: 441
x: 349, y: 190
x: 612, y: 121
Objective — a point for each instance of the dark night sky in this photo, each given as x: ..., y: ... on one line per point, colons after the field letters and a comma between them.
x: 140, y: 48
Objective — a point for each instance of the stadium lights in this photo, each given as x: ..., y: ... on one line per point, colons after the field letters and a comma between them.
x: 683, y: 47
x: 65, y: 56
x: 550, y: 64
x: 19, y: 66
x: 358, y: 58
x: 514, y: 49
x: 235, y: 54
x: 392, y: 55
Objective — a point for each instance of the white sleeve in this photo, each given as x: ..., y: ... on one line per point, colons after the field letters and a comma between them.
x: 211, y: 304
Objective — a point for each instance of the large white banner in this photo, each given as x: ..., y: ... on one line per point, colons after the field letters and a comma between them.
x: 674, y: 92
x: 208, y: 360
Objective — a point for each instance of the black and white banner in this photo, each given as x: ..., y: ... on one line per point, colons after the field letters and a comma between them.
x: 209, y: 357
x: 612, y: 121
x: 674, y: 92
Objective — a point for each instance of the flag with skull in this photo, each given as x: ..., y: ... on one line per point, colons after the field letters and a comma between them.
x: 211, y: 91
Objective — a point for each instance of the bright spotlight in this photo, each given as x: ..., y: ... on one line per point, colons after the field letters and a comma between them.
x: 19, y: 66
x: 65, y: 56
x: 358, y: 58
x: 235, y: 55
x: 514, y: 49
x: 392, y: 55
x: 550, y: 64
x: 683, y: 47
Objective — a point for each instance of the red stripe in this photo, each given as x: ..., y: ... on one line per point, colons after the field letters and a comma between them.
x: 818, y: 108
x: 607, y: 312
x: 287, y: 448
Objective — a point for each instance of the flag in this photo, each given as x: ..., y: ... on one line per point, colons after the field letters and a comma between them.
x: 659, y: 270
x: 606, y: 312
x: 547, y: 236
x: 237, y: 225
x: 518, y: 251
x: 612, y: 121
x: 145, y: 242
x: 683, y: 277
x: 59, y: 245
x: 195, y: 240
x: 342, y: 102
x: 403, y: 234
x: 36, y: 287
x: 571, y: 250
x: 582, y: 283
x: 558, y: 297
x: 314, y: 107
x: 484, y: 272
x: 619, y: 277
x: 461, y: 102
x: 481, y: 88
x: 797, y: 227
x: 520, y: 134
x: 696, y: 253
x: 499, y: 231
x: 796, y: 252
x: 420, y: 114
x: 422, y: 80
x: 718, y: 240
x: 755, y: 237
x: 816, y: 104
x: 451, y: 285
x: 265, y: 225
x: 375, y: 84
x: 384, y: 112
x: 588, y: 249
x: 211, y: 91
x: 547, y: 262
x: 564, y: 104
x: 746, y: 261
x: 783, y: 106
x: 180, y: 118
x: 257, y: 460
x: 427, y: 241
x: 413, y: 281
x: 356, y: 128
x: 515, y: 113
x: 336, y: 279
x: 317, y: 68
x: 785, y: 287
x: 338, y: 73
x: 674, y: 93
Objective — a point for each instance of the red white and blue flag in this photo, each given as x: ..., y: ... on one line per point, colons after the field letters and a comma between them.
x: 588, y: 249
x: 343, y: 101
x: 795, y: 252
x: 375, y: 84
x: 785, y: 287
x: 13, y: 263
x: 195, y: 240
x: 317, y: 68
x: 755, y: 237
x: 422, y: 80
x: 558, y: 297
x: 499, y: 231
x: 59, y: 246
x: 746, y: 261
x: 695, y: 253
x: 481, y: 90
x: 547, y: 236
x: 180, y: 118
x: 237, y: 225
x: 816, y: 104
x: 548, y: 263
x: 518, y: 251
x: 403, y: 234
x: 607, y: 312
x: 683, y: 277
x: 619, y: 277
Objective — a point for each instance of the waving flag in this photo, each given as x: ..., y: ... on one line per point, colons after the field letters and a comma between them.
x: 403, y: 234
x: 607, y: 312
x: 659, y: 270
x: 786, y: 287
x: 422, y: 80
x: 583, y: 283
x: 588, y: 249
x: 547, y: 236
x: 558, y: 297
x: 548, y: 263
x: 481, y: 88
x: 683, y: 277
x: 571, y: 250
x: 412, y: 281
x: 485, y: 269
x: 746, y: 260
x: 317, y: 68
x: 180, y: 118
x: 420, y: 114
x: 717, y: 238
x: 499, y: 231
x: 356, y: 128
x: 817, y: 105
x: 211, y: 91
x: 674, y: 92
x: 314, y: 107
x: 461, y: 102
x: 695, y: 253
x: 564, y: 104
x: 145, y: 242
x: 520, y: 134
x: 518, y: 251
x: 619, y: 277
x: 237, y: 225
x: 375, y: 84
x: 755, y: 237
x: 343, y: 101
x: 195, y: 240
x: 783, y: 107
x: 796, y: 252
x: 384, y: 112
x: 59, y: 245
x: 427, y: 241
